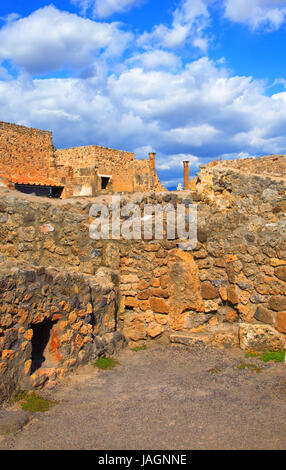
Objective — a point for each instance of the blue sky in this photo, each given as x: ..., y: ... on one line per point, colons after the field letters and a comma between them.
x: 191, y: 80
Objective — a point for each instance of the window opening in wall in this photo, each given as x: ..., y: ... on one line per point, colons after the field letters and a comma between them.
x: 104, y: 182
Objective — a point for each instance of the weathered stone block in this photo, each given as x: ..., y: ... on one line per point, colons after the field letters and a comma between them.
x: 280, y: 324
x: 134, y: 326
x: 208, y: 291
x: 264, y: 315
x: 260, y: 338
x: 159, y: 305
x: 277, y: 303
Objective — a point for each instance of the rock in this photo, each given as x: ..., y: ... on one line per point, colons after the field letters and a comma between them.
x: 208, y: 291
x: 260, y: 338
x: 246, y: 312
x: 155, y: 330
x: 232, y: 295
x: 277, y: 303
x: 219, y: 336
x: 161, y: 319
x: 184, y: 287
x: 191, y: 339
x: 210, y: 306
x: 225, y: 336
x: 268, y: 195
x: 134, y: 326
x: 281, y: 273
x: 159, y: 305
x: 131, y: 302
x: 12, y: 421
x: 195, y: 319
x: 277, y: 262
x: 264, y: 315
x: 280, y: 324
x: 38, y: 379
x: 230, y: 315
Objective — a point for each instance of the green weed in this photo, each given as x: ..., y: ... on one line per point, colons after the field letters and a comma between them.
x: 106, y: 363
x: 276, y: 356
x: 139, y: 348
x: 245, y: 365
x: 33, y: 402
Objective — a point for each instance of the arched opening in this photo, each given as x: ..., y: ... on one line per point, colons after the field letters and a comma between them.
x: 40, y: 349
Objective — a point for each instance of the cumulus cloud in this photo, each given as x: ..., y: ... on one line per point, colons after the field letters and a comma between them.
x: 50, y: 39
x: 154, y: 59
x: 256, y: 13
x: 175, y: 161
x: 189, y: 21
x: 198, y: 113
x: 105, y: 8
x: 149, y: 101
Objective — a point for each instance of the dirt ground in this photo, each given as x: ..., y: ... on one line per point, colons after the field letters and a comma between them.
x: 164, y: 398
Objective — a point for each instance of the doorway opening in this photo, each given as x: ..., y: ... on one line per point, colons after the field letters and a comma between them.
x: 104, y: 181
x: 40, y: 341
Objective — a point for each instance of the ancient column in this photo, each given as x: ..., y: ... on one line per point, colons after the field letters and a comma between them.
x: 186, y: 175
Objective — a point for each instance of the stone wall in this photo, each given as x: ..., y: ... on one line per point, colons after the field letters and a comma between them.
x: 229, y: 290
x: 235, y: 274
x: 92, y: 162
x: 109, y: 162
x: 64, y: 319
x: 27, y: 156
x: 272, y: 166
x: 231, y: 285
x: 145, y: 177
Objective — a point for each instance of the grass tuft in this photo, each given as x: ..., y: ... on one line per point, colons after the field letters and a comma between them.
x: 106, y: 363
x: 245, y: 365
x: 33, y: 402
x: 139, y: 348
x: 276, y: 356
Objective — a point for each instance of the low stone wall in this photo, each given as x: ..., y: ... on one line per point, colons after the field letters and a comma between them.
x: 229, y: 290
x: 60, y: 320
x: 272, y: 166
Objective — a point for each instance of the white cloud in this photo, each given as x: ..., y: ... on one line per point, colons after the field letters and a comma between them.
x: 155, y: 58
x: 256, y: 13
x: 147, y: 102
x: 189, y: 21
x: 50, y: 39
x: 105, y: 8
x: 175, y: 161
x: 198, y: 113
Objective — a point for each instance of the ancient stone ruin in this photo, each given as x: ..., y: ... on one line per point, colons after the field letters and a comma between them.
x: 67, y: 298
x: 29, y: 162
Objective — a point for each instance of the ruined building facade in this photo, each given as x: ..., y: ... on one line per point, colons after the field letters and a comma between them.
x: 29, y: 161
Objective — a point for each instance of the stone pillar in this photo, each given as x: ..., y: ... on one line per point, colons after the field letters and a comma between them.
x: 94, y: 181
x: 186, y: 175
x: 152, y: 159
